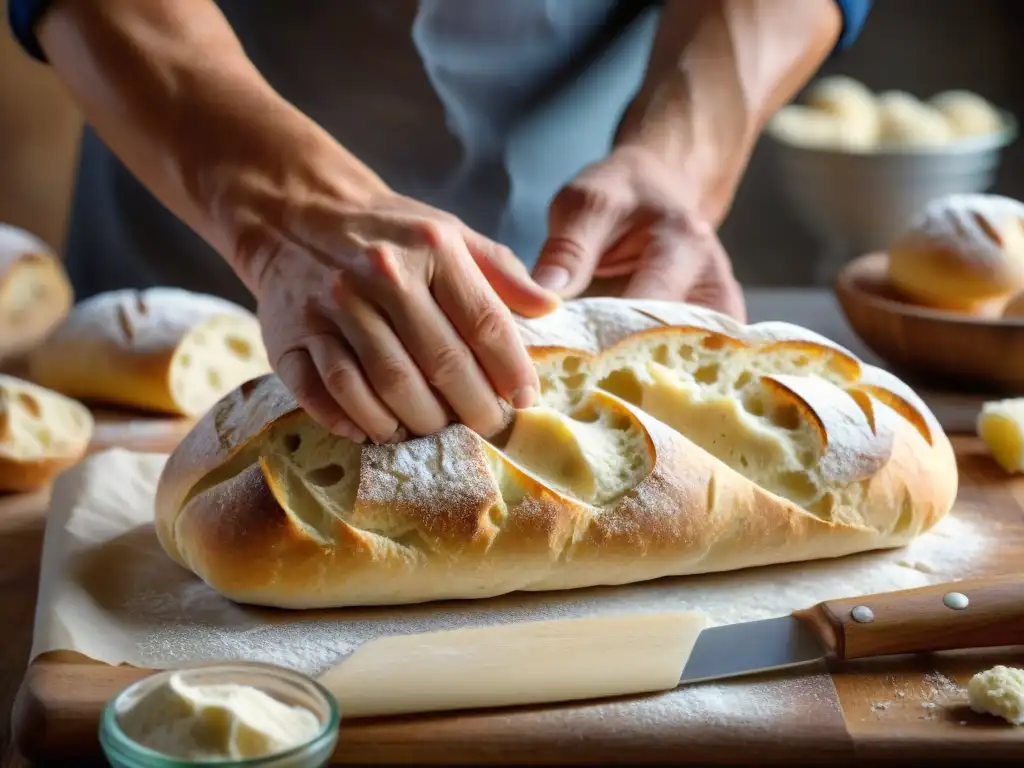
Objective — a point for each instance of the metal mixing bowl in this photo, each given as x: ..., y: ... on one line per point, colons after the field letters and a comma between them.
x: 858, y: 201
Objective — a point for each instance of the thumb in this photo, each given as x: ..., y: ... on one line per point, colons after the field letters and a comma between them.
x: 668, y: 270
x: 692, y: 269
x: 577, y: 236
x: 509, y: 278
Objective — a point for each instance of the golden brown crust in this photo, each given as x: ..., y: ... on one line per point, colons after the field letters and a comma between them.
x: 453, y: 516
x: 42, y: 433
x: 962, y: 253
x: 120, y: 348
x: 35, y: 293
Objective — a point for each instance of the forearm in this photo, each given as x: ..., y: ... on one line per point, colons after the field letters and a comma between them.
x: 717, y: 72
x: 168, y: 87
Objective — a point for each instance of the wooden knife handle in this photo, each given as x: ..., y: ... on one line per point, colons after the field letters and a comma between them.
x: 974, y: 613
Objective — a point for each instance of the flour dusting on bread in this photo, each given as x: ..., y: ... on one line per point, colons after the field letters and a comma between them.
x: 667, y: 440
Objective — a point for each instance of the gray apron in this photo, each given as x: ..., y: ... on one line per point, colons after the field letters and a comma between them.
x: 483, y: 108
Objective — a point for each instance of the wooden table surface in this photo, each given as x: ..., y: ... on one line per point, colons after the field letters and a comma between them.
x: 885, y: 714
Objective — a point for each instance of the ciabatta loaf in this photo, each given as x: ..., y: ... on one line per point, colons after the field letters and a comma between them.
x: 163, y: 349
x: 42, y: 433
x: 35, y: 293
x: 668, y: 440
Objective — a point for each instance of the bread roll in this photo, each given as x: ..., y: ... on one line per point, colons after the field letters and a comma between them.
x: 164, y: 350
x: 42, y: 433
x: 35, y: 293
x: 667, y: 440
x: 1001, y: 428
x: 1014, y: 307
x: 962, y: 252
x: 808, y: 127
x: 968, y: 113
x: 906, y: 121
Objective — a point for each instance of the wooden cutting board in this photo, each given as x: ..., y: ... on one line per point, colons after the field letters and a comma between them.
x: 22, y: 519
x: 892, y: 711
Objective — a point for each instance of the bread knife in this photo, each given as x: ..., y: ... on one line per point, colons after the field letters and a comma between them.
x: 975, y: 613
x: 538, y: 662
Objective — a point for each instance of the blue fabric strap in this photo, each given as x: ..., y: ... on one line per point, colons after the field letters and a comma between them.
x: 22, y: 16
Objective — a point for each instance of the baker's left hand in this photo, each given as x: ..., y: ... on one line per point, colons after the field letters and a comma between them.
x: 629, y: 215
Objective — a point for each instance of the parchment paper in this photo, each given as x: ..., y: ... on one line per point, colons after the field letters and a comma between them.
x: 108, y: 591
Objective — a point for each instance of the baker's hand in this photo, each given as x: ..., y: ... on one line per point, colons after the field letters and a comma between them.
x: 628, y: 215
x: 395, y: 319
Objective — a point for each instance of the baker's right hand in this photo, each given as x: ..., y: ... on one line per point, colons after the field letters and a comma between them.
x: 394, y: 319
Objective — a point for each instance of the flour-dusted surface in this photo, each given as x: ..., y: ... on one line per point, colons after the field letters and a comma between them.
x: 109, y: 592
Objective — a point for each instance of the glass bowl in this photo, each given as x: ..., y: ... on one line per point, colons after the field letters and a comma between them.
x: 282, y: 684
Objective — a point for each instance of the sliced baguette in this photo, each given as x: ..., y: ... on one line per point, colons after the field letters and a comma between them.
x: 42, y: 433
x: 669, y: 440
x: 162, y: 350
x: 35, y: 293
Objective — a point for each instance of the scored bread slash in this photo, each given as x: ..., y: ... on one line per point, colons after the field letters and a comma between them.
x: 163, y: 349
x: 35, y: 293
x: 667, y: 440
x: 42, y: 433
x: 961, y: 252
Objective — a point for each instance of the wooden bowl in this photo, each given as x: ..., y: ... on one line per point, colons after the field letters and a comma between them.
x: 931, y: 345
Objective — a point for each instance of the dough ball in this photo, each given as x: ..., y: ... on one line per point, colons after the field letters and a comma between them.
x: 809, y: 127
x: 843, y: 97
x: 906, y: 121
x: 968, y: 113
x: 962, y: 252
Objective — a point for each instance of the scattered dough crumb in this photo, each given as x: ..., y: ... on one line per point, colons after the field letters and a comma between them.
x: 929, y: 705
x: 998, y: 691
x: 881, y: 706
x: 917, y: 565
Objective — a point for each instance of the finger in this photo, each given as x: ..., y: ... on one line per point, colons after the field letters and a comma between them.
x: 578, y: 232
x: 509, y: 277
x: 344, y: 381
x: 718, y: 289
x: 295, y: 368
x: 670, y: 266
x: 386, y: 363
x: 623, y: 257
x: 439, y: 350
x: 487, y: 327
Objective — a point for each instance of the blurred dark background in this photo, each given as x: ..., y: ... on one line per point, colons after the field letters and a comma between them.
x: 922, y: 46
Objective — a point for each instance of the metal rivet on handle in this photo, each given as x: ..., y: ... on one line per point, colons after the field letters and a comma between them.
x: 955, y: 600
x: 862, y: 614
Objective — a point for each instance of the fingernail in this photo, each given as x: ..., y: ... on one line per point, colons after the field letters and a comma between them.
x: 524, y: 397
x: 350, y: 432
x: 552, y: 278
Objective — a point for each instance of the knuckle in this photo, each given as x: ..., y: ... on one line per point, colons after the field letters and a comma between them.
x: 572, y: 197
x: 439, y: 232
x: 342, y: 376
x: 380, y: 258
x: 490, y: 327
x: 448, y: 363
x: 389, y: 374
x: 563, y: 252
x: 435, y: 233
